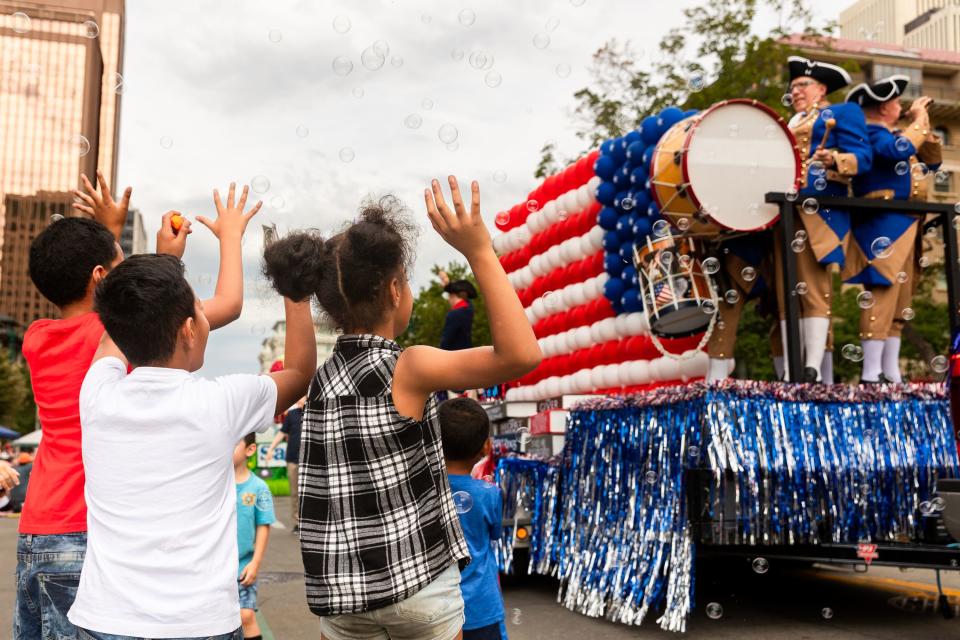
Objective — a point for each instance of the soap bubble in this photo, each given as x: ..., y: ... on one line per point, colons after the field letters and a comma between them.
x: 924, y: 262
x: 563, y: 70
x: 426, y: 18
x: 901, y: 168
x: 551, y: 301
x: 467, y: 17
x: 413, y: 121
x: 902, y: 144
x: 810, y: 206
x: 357, y: 91
x: 942, y: 177
x: 792, y: 195
x: 532, y: 205
x: 462, y: 501
x: 264, y: 473
x: 938, y: 504
x: 381, y: 47
x: 502, y: 218
x: 801, y: 288
x: 908, y: 314
x: 666, y: 258
x: 711, y: 266
x: 732, y: 296
x: 786, y: 100
x: 302, y: 131
x: 453, y: 146
x: 749, y: 274
x: 827, y: 114
x: 516, y: 616
x: 926, y: 508
x: 448, y: 133
x: 347, y: 154
x: 693, y: 452
x: 493, y: 79
x: 650, y: 477
x: 118, y: 83
x: 21, y: 22
x: 371, y: 59
x: 166, y: 142
x: 341, y: 24
x: 714, y: 611
x: 80, y: 145
x: 760, y: 565
x: 426, y: 104
x: 709, y: 307
x: 798, y: 245
x: 820, y: 184
x: 733, y: 130
x: 696, y: 83
x: 541, y: 41
x: 457, y: 54
x: 56, y: 217
x: 277, y: 202
x: 801, y: 234
x: 260, y: 184
x: 91, y: 29
x: 683, y: 224
x: 342, y: 66
x: 826, y: 613
x: 817, y: 168
x: 626, y: 204
x: 275, y: 35
x: 396, y: 61
x: 852, y: 352
x: 919, y: 171
x: 939, y: 364
x: 865, y: 299
x: 499, y: 176
x: 881, y: 247
x: 480, y: 59
x: 902, y: 277
x: 661, y: 229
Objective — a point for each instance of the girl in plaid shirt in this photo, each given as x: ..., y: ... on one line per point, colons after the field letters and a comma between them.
x: 380, y: 537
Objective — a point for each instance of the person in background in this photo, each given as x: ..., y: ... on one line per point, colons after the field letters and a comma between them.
x: 465, y: 433
x: 458, y: 325
x: 254, y: 517
x: 883, y: 253
x: 290, y: 431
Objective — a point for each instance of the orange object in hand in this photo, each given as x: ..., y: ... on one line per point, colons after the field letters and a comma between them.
x: 176, y: 221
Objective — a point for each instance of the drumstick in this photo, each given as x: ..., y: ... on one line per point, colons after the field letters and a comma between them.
x: 829, y: 124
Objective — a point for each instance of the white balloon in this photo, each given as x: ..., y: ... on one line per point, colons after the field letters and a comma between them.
x: 568, y: 249
x: 601, y: 280
x: 620, y: 323
x: 596, y: 377
x: 586, y: 246
x: 498, y: 244
x: 636, y: 323
x: 623, y: 374
x: 592, y: 185
x: 559, y: 344
x: 669, y: 368
x: 555, y: 259
x: 611, y: 375
x: 596, y: 235
x: 582, y: 382
x: 654, y: 368
x: 639, y: 372
x: 536, y: 266
x: 523, y: 235
x: 550, y: 213
x: 582, y: 338
x: 578, y: 295
x: 583, y: 197
x: 535, y: 222
x: 540, y: 390
x: 568, y: 202
x: 608, y: 329
x: 539, y: 310
x: 511, y: 395
x: 549, y: 346
x: 595, y: 336
x: 553, y: 387
x: 696, y: 365
x: 566, y: 385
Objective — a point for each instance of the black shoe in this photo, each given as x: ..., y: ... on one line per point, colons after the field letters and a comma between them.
x: 810, y: 375
x: 881, y: 379
x: 296, y: 529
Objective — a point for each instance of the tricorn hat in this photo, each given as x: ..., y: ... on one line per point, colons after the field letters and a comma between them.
x: 461, y: 288
x: 831, y: 75
x: 883, y: 90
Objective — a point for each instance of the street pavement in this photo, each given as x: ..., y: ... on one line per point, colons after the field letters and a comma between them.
x: 786, y: 602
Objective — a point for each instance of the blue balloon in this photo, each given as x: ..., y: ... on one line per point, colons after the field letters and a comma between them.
x: 606, y: 148
x: 611, y: 241
x: 629, y: 276
x: 649, y: 131
x: 653, y: 211
x: 667, y: 118
x: 617, y: 307
x: 619, y: 152
x: 648, y: 156
x: 618, y: 199
x: 641, y: 200
x: 607, y: 218
x: 638, y: 177
x: 621, y: 177
x: 613, y: 265
x: 606, y: 192
x: 626, y: 251
x: 635, y: 153
x: 642, y: 227
x: 690, y: 112
x: 630, y: 300
x: 614, y: 288
x: 625, y: 227
x: 604, y: 167
x: 633, y: 136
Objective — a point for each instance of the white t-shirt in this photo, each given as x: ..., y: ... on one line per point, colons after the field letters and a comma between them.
x: 161, y: 502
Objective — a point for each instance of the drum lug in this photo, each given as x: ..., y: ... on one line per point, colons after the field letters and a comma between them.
x: 677, y: 155
x: 682, y: 190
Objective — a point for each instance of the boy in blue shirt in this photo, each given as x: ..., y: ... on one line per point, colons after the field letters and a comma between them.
x: 254, y: 517
x: 465, y: 434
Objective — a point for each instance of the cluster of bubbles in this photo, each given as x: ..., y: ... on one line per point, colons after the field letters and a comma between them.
x: 852, y: 352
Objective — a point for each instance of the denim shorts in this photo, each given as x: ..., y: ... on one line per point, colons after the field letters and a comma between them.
x: 248, y: 596
x: 433, y: 613
x: 86, y: 634
x: 48, y: 574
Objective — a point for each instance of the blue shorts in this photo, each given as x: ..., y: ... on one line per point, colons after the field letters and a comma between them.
x: 48, y: 574
x: 248, y: 596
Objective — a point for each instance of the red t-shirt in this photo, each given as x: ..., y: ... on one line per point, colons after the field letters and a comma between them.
x: 59, y: 353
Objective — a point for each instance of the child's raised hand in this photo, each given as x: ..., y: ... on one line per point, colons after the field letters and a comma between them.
x: 103, y: 208
x: 231, y: 220
x: 462, y: 229
x: 170, y: 241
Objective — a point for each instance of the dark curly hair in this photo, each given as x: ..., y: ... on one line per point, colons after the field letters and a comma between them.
x: 350, y: 272
x: 63, y: 256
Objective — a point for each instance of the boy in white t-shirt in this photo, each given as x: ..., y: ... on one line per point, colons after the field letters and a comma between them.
x: 157, y: 451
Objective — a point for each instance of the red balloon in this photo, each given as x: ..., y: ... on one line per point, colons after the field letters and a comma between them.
x: 610, y: 352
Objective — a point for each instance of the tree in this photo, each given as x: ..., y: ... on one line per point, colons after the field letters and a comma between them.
x: 13, y: 390
x: 430, y: 310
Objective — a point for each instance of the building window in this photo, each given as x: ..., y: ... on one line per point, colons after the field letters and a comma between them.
x: 942, y: 181
x: 914, y: 89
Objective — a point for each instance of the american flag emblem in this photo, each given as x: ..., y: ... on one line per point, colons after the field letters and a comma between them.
x: 665, y: 295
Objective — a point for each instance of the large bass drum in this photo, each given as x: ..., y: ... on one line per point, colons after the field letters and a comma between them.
x: 710, y: 172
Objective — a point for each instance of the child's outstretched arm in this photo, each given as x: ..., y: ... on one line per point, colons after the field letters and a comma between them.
x: 227, y: 301
x: 101, y: 206
x: 300, y: 355
x: 421, y: 369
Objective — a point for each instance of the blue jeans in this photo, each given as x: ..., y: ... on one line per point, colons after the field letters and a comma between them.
x: 48, y: 573
x: 93, y: 635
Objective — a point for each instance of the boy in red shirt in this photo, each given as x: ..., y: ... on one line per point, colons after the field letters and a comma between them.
x: 67, y: 261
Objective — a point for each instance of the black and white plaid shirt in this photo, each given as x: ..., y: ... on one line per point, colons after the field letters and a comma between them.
x: 377, y: 519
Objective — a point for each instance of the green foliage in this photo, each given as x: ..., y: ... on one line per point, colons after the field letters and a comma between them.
x: 548, y: 163
x: 14, y: 386
x: 430, y: 310
x: 25, y: 420
x: 278, y: 486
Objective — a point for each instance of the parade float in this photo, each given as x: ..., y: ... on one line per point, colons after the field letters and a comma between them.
x: 619, y: 465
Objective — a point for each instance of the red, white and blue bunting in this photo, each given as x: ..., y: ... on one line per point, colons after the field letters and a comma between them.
x: 567, y: 250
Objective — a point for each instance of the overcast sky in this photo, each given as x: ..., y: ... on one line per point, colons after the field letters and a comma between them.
x: 232, y: 90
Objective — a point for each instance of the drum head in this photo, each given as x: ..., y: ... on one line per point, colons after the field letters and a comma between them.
x: 685, y: 320
x: 738, y: 152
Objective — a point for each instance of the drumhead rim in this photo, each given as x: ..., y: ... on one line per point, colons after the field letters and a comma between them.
x: 686, y: 146
x: 684, y: 304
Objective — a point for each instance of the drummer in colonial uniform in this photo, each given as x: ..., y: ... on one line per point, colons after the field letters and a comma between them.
x: 832, y: 142
x: 882, y: 252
